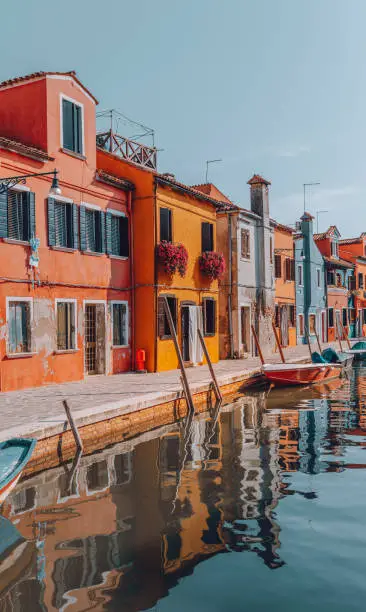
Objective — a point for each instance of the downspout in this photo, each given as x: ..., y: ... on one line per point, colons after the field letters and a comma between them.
x: 155, y: 281
x: 230, y: 294
x: 132, y: 281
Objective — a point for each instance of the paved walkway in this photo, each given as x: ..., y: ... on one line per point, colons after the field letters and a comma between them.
x: 39, y: 411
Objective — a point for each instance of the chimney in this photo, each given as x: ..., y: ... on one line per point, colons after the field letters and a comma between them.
x: 307, y: 224
x: 259, y: 203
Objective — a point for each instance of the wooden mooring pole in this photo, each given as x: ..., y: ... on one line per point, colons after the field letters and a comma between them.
x: 257, y: 344
x: 73, y: 427
x: 278, y: 342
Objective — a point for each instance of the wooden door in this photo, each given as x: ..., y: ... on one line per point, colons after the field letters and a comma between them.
x: 90, y: 339
x: 245, y: 327
x: 284, y: 325
x: 324, y: 327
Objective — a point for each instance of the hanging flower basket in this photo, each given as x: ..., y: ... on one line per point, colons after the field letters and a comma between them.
x: 174, y: 257
x: 212, y: 264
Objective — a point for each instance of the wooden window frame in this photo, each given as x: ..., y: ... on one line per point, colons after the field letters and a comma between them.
x: 278, y: 266
x: 301, y: 317
x: 311, y: 319
x: 82, y: 126
x: 75, y: 339
x: 300, y: 273
x: 318, y: 278
x: 113, y: 303
x: 245, y: 243
x: 212, y: 237
x: 29, y: 301
x: 161, y: 313
x: 170, y: 222
x: 331, y: 310
x: 205, y: 300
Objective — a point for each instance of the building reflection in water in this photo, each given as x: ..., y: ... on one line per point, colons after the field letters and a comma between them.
x: 119, y: 529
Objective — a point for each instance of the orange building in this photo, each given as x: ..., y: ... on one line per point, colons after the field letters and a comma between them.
x: 168, y: 213
x: 285, y: 284
x: 65, y: 266
x: 354, y: 251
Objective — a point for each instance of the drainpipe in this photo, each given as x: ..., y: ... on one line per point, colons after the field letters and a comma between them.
x: 155, y: 222
x: 132, y: 280
x: 230, y: 294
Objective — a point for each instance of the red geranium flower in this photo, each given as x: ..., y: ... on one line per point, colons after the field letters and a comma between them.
x: 212, y: 264
x: 174, y: 257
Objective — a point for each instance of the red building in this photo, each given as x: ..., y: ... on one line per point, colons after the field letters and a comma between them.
x: 65, y: 266
x: 339, y: 274
x: 354, y: 251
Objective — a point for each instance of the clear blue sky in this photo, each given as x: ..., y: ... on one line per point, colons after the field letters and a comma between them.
x: 270, y: 86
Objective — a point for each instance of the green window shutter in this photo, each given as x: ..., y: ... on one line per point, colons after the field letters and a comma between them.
x: 102, y: 231
x: 75, y: 226
x: 82, y: 228
x: 4, y: 214
x: 51, y: 222
x: 31, y: 197
x: 125, y: 249
x: 108, y: 221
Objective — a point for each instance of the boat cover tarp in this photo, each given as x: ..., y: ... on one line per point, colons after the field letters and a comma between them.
x: 330, y: 355
x: 317, y: 358
x: 360, y: 346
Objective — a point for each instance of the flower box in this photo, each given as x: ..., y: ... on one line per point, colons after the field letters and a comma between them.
x: 212, y: 264
x: 174, y: 257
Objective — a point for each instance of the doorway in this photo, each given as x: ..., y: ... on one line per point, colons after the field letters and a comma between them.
x: 94, y: 338
x: 245, y: 328
x: 324, y: 326
x: 284, y: 325
x: 191, y: 321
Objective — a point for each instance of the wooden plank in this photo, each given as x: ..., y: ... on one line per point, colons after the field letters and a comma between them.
x: 187, y: 389
x: 209, y: 362
x: 278, y: 342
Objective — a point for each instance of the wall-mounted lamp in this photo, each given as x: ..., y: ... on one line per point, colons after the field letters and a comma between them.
x: 55, y: 187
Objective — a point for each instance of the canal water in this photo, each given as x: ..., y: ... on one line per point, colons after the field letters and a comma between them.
x: 260, y: 505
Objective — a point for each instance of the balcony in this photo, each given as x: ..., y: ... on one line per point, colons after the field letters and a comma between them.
x: 127, y: 149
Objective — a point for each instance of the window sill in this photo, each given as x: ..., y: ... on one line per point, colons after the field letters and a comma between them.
x: 245, y: 258
x: 121, y: 257
x: 67, y: 351
x: 165, y: 337
x: 15, y: 241
x: 209, y: 335
x: 93, y: 253
x: 120, y: 346
x: 73, y: 154
x: 19, y: 355
x: 64, y: 249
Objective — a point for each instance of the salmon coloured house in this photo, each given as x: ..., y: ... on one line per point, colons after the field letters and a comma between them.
x: 65, y: 262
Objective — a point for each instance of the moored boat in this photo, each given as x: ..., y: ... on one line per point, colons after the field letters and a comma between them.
x: 358, y: 351
x: 14, y: 456
x: 285, y: 374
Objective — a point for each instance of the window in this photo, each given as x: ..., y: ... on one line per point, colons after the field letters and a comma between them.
x: 339, y: 282
x: 120, y: 323
x: 19, y: 337
x: 360, y: 280
x: 312, y: 324
x: 91, y: 230
x: 344, y: 317
x: 334, y: 249
x: 209, y: 316
x: 245, y: 243
x: 63, y: 224
x: 207, y: 237
x: 271, y: 250
x: 301, y: 324
x: 277, y: 316
x: 318, y: 277
x: 72, y: 135
x: 289, y: 269
x: 166, y: 224
x: 364, y: 316
x: 291, y: 310
x: 299, y: 275
x: 18, y: 215
x: 117, y: 235
x: 330, y: 277
x: 351, y: 283
x: 330, y: 317
x: 66, y: 328
x: 163, y: 323
x: 278, y: 271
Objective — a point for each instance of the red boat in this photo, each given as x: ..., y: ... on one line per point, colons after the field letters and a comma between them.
x: 285, y: 374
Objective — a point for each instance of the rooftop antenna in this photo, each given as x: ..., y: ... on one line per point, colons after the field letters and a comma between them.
x: 307, y: 185
x: 211, y: 161
x: 319, y: 212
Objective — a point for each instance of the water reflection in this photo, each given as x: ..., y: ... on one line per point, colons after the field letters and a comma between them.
x: 120, y: 529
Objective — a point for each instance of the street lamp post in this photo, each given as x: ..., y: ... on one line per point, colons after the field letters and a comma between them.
x: 11, y: 181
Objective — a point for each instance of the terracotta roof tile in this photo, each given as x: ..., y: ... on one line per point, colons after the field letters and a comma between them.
x: 257, y: 178
x: 169, y: 179
x: 42, y: 74
x: 351, y: 240
x: 286, y: 228
x: 339, y: 261
x: 116, y: 181
x: 211, y: 190
x: 19, y: 147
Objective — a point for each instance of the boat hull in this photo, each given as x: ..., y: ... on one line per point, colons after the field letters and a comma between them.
x: 300, y: 375
x: 14, y: 456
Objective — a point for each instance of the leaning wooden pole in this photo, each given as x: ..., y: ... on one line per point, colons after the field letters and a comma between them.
x: 257, y: 344
x: 338, y: 336
x: 345, y: 336
x: 318, y: 341
x: 278, y: 342
x: 186, y: 388
x: 308, y: 339
x: 74, y: 429
x: 210, y: 366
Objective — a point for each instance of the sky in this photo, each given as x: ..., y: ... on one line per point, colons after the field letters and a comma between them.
x: 275, y: 87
